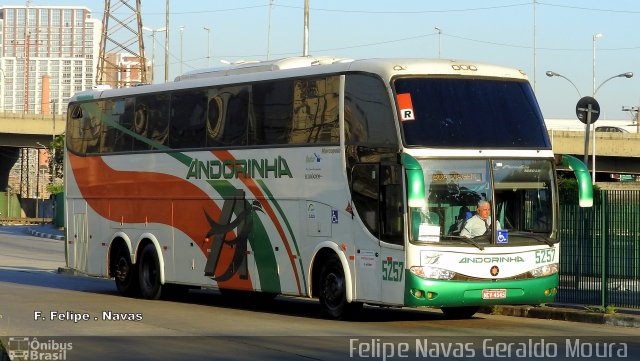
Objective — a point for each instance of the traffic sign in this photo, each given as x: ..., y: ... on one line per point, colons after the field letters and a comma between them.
x: 584, y: 105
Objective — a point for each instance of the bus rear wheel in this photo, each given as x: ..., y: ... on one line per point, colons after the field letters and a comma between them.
x: 458, y: 313
x: 125, y: 273
x: 333, y: 291
x: 149, y: 273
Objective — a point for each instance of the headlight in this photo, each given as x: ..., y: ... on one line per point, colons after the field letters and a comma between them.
x: 432, y: 273
x: 545, y: 270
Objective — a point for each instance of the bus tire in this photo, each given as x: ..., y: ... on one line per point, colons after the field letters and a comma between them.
x: 125, y: 273
x: 458, y: 313
x: 333, y: 291
x: 149, y: 273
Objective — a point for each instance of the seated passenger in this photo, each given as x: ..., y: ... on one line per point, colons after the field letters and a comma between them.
x: 461, y: 219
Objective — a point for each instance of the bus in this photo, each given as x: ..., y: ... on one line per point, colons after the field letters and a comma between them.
x: 319, y: 177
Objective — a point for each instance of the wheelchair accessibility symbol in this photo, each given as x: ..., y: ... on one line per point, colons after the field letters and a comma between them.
x: 503, y: 236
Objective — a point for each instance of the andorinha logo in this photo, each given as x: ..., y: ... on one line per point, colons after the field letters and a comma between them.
x: 515, y: 259
x: 32, y: 349
x: 239, y: 168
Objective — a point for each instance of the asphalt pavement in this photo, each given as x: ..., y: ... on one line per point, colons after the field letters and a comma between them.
x: 554, y: 311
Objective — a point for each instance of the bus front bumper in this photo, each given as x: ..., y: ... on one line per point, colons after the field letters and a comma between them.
x: 439, y: 293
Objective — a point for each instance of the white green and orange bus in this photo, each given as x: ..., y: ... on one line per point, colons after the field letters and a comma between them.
x: 337, y: 179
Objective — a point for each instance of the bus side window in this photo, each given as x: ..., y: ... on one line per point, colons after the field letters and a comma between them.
x: 236, y: 117
x: 365, y: 192
x: 75, y: 130
x: 392, y: 204
x: 92, y: 127
x: 315, y: 114
x: 272, y: 109
x: 151, y: 121
x: 215, y: 121
x: 188, y: 110
x: 368, y: 114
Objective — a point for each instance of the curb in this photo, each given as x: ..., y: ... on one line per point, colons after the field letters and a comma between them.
x: 45, y: 235
x: 564, y: 314
x: 68, y: 271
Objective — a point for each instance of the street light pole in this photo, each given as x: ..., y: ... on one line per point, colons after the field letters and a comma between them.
x: 587, y: 126
x: 595, y: 37
x: 166, y: 44
x: 208, y: 30
x: 551, y: 74
x: 181, y: 33
x: 439, y: 38
x: 153, y: 49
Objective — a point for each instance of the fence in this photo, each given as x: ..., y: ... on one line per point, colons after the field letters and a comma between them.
x: 600, y: 251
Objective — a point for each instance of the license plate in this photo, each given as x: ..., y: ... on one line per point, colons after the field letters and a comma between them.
x: 493, y: 294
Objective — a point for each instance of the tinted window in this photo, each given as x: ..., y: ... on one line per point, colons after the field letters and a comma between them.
x: 315, y: 111
x: 228, y: 116
x: 117, y: 117
x: 151, y: 121
x: 367, y: 112
x: 84, y: 128
x: 188, y: 111
x: 273, y: 110
x: 471, y: 113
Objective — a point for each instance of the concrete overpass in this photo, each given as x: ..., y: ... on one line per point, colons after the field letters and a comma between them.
x: 27, y: 130
x: 615, y: 152
x: 19, y: 130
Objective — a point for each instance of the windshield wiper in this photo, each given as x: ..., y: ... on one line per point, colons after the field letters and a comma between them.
x: 469, y: 241
x: 533, y: 236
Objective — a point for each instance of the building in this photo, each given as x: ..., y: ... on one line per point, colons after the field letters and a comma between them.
x: 123, y: 70
x: 60, y: 45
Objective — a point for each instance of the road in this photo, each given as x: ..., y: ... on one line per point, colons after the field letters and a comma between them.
x: 87, y: 313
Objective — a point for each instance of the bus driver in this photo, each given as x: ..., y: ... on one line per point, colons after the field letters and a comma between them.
x: 479, y: 224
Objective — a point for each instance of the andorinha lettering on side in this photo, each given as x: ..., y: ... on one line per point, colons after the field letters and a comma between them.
x: 239, y: 168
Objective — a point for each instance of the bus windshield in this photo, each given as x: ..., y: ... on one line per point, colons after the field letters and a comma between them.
x: 519, y: 192
x: 470, y: 113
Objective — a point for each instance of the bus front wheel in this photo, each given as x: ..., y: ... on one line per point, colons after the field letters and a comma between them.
x: 149, y: 273
x: 458, y: 313
x: 333, y: 290
x: 125, y: 273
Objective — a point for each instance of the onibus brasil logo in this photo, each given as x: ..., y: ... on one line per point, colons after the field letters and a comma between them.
x: 32, y: 349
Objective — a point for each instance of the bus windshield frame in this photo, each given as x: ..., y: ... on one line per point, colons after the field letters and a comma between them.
x: 521, y: 194
x: 469, y: 112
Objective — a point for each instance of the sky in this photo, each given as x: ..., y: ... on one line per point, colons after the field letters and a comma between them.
x: 532, y: 35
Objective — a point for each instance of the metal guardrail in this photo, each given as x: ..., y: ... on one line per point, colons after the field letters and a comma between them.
x: 600, y: 251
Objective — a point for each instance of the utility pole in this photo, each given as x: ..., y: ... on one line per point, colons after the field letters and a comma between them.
x: 123, y: 36
x: 166, y: 44
x: 305, y: 46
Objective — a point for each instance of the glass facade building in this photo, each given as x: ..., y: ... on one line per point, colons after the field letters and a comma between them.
x: 46, y: 45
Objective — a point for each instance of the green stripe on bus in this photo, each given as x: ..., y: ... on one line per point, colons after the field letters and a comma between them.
x: 266, y: 191
x: 260, y: 244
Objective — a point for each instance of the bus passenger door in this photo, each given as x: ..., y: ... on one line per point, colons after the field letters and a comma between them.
x: 78, y: 245
x: 365, y: 189
x: 392, y: 250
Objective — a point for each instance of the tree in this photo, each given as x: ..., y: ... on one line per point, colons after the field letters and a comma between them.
x: 56, y: 164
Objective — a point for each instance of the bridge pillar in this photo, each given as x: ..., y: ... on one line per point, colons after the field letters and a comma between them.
x: 8, y: 157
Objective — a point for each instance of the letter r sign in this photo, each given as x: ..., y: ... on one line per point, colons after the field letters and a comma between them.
x: 406, y: 107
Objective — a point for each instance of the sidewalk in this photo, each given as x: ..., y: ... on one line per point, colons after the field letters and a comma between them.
x: 46, y: 230
x: 624, y: 317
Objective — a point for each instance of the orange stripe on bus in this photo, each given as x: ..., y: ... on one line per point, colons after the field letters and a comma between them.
x: 136, y: 197
x: 255, y: 190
